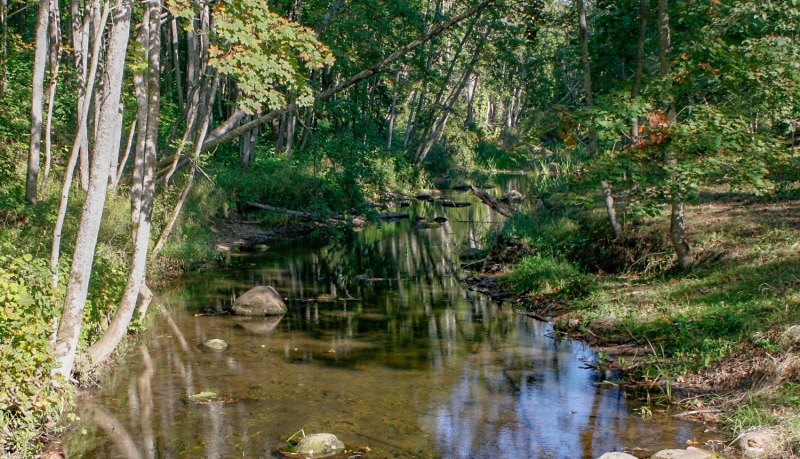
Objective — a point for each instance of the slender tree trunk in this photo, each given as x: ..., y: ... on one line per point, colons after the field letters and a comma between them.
x: 4, y: 46
x: 638, y: 72
x: 677, y: 230
x: 472, y: 89
x: 393, y: 109
x: 291, y: 116
x: 177, y: 60
x: 151, y: 28
x: 201, y: 134
x: 55, y: 62
x: 637, y: 76
x: 95, y: 22
x: 80, y: 144
x: 612, y: 213
x: 37, y: 96
x: 77, y: 287
x: 587, y: 90
x: 124, y: 159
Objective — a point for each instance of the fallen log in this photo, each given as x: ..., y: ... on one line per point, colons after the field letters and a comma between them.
x: 295, y: 213
x: 493, y: 203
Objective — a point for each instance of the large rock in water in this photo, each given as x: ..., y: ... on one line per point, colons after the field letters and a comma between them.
x: 319, y: 445
x: 259, y: 301
x: 688, y: 453
x: 617, y: 456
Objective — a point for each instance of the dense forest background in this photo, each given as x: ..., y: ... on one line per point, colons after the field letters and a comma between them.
x: 128, y: 127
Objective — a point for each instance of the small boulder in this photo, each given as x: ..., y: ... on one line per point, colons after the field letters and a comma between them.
x: 513, y: 196
x: 688, y: 453
x: 759, y: 444
x: 617, y: 456
x: 216, y: 345
x: 604, y: 324
x: 462, y: 187
x: 791, y: 335
x: 319, y: 445
x: 259, y: 301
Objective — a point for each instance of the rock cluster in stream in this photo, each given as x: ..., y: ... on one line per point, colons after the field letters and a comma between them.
x: 689, y: 453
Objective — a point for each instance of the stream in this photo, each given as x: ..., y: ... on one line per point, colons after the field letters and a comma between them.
x: 412, y: 364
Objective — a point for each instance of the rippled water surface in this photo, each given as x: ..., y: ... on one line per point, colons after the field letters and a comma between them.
x: 413, y: 364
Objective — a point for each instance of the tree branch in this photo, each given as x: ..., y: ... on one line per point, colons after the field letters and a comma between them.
x: 234, y: 133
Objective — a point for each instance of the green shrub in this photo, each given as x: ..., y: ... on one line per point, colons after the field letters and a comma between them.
x: 30, y: 402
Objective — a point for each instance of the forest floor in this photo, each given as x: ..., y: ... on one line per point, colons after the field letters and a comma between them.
x: 722, y: 337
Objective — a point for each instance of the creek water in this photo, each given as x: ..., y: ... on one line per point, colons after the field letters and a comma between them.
x: 413, y: 364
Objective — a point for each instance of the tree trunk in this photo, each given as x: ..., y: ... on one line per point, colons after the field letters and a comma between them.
x: 201, y: 134
x: 55, y: 62
x: 151, y: 39
x: 77, y: 287
x: 4, y: 46
x: 124, y: 159
x: 95, y: 24
x: 612, y: 213
x: 472, y: 89
x: 177, y: 60
x: 80, y: 145
x: 587, y: 69
x: 677, y: 231
x: 393, y: 109
x: 637, y: 76
x: 37, y: 96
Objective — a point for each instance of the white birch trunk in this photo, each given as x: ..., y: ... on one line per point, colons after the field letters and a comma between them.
x: 37, y: 100
x: 78, y: 285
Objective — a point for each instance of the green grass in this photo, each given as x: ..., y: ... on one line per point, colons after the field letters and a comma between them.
x: 546, y: 275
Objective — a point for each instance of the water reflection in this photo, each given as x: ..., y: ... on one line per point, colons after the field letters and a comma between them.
x: 412, y: 364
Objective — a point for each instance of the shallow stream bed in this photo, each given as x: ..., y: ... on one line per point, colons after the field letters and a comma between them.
x: 411, y: 364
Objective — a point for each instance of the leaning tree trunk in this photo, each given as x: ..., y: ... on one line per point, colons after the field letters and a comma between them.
x: 677, y: 230
x: 201, y: 134
x: 150, y: 34
x: 71, y: 322
x: 37, y: 100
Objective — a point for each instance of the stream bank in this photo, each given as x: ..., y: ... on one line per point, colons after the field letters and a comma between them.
x: 720, y: 340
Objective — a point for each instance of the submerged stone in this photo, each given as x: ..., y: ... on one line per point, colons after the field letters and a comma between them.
x: 215, y: 344
x: 259, y: 301
x: 427, y: 225
x: 319, y: 445
x: 688, y: 453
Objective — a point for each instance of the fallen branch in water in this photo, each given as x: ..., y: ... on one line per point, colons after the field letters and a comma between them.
x: 692, y: 413
x: 493, y: 203
x: 294, y: 213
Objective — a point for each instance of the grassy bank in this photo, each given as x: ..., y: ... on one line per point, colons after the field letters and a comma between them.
x: 718, y: 329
